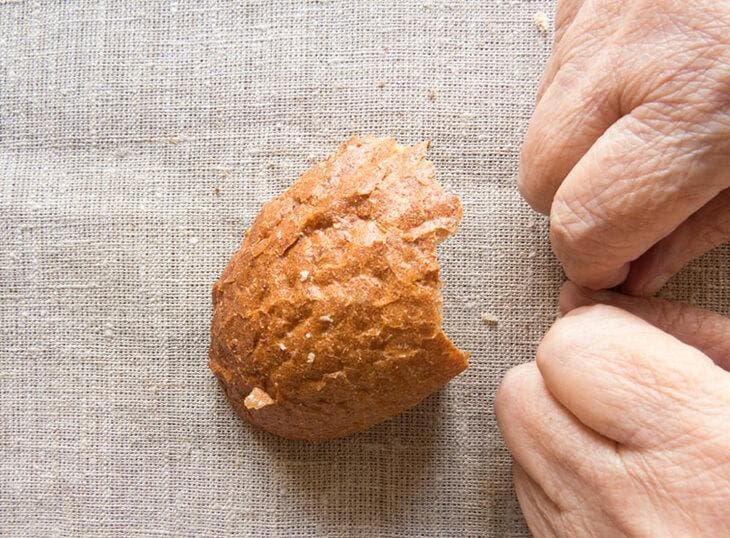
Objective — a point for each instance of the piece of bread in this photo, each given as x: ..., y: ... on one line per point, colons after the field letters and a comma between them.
x: 327, y: 320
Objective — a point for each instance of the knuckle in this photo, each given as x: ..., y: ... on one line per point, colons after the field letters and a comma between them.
x: 572, y: 333
x: 531, y: 180
x: 572, y: 228
x: 557, y: 341
x: 515, y: 382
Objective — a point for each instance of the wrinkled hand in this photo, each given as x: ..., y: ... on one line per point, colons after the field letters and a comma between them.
x: 629, y: 146
x: 620, y: 428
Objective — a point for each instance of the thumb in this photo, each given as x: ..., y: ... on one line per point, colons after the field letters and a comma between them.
x: 707, y: 331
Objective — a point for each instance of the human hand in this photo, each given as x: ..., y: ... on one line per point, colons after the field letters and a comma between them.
x: 620, y: 428
x: 629, y: 146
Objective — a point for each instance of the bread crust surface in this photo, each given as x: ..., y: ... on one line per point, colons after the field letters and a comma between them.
x: 328, y: 318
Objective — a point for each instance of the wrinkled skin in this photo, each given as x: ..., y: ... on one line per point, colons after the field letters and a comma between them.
x: 622, y: 425
x: 628, y: 150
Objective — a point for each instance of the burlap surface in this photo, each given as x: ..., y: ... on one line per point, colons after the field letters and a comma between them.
x: 137, y: 141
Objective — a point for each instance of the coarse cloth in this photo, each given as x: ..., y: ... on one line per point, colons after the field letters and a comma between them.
x: 137, y: 141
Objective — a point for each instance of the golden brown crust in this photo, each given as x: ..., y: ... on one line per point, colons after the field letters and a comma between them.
x: 327, y: 320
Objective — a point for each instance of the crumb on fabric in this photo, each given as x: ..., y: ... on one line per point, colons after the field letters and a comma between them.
x: 303, y: 275
x: 489, y: 319
x: 216, y: 189
x: 177, y: 139
x: 308, y: 335
x: 282, y: 346
x: 237, y: 461
x: 327, y: 319
x: 431, y: 94
x: 381, y: 83
x: 541, y: 22
x: 310, y: 357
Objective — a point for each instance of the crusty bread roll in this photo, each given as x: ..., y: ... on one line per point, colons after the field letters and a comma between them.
x: 327, y: 319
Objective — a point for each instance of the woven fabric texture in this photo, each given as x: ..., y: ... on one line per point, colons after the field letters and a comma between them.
x: 137, y: 141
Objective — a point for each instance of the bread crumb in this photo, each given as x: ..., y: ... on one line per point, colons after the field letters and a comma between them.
x: 225, y: 173
x: 541, y: 22
x: 216, y: 190
x: 177, y: 139
x: 327, y: 319
x: 310, y: 357
x: 532, y: 254
x: 257, y: 399
x: 381, y: 83
x: 237, y: 461
x: 303, y: 275
x: 308, y: 335
x: 282, y: 346
x: 489, y: 319
x: 431, y: 94
x: 193, y: 240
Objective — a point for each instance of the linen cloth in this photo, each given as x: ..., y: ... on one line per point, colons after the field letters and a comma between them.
x: 137, y: 141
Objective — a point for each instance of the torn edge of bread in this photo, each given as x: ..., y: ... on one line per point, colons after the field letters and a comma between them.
x: 257, y: 399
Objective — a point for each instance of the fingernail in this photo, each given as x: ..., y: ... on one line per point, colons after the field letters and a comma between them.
x: 655, y: 284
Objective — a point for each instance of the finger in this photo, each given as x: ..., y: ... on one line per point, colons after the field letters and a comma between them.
x: 554, y: 447
x: 644, y: 177
x: 539, y: 510
x: 707, y: 331
x: 578, y: 107
x: 628, y: 380
x: 706, y: 229
x: 582, y: 29
x: 565, y: 14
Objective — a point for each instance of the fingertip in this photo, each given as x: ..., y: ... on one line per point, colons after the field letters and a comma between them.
x: 595, y: 279
x: 572, y: 297
x: 647, y: 275
x: 569, y: 298
x: 642, y: 286
x: 527, y: 186
x: 578, y: 243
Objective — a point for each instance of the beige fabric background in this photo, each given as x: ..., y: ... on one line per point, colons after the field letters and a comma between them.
x: 118, y: 120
